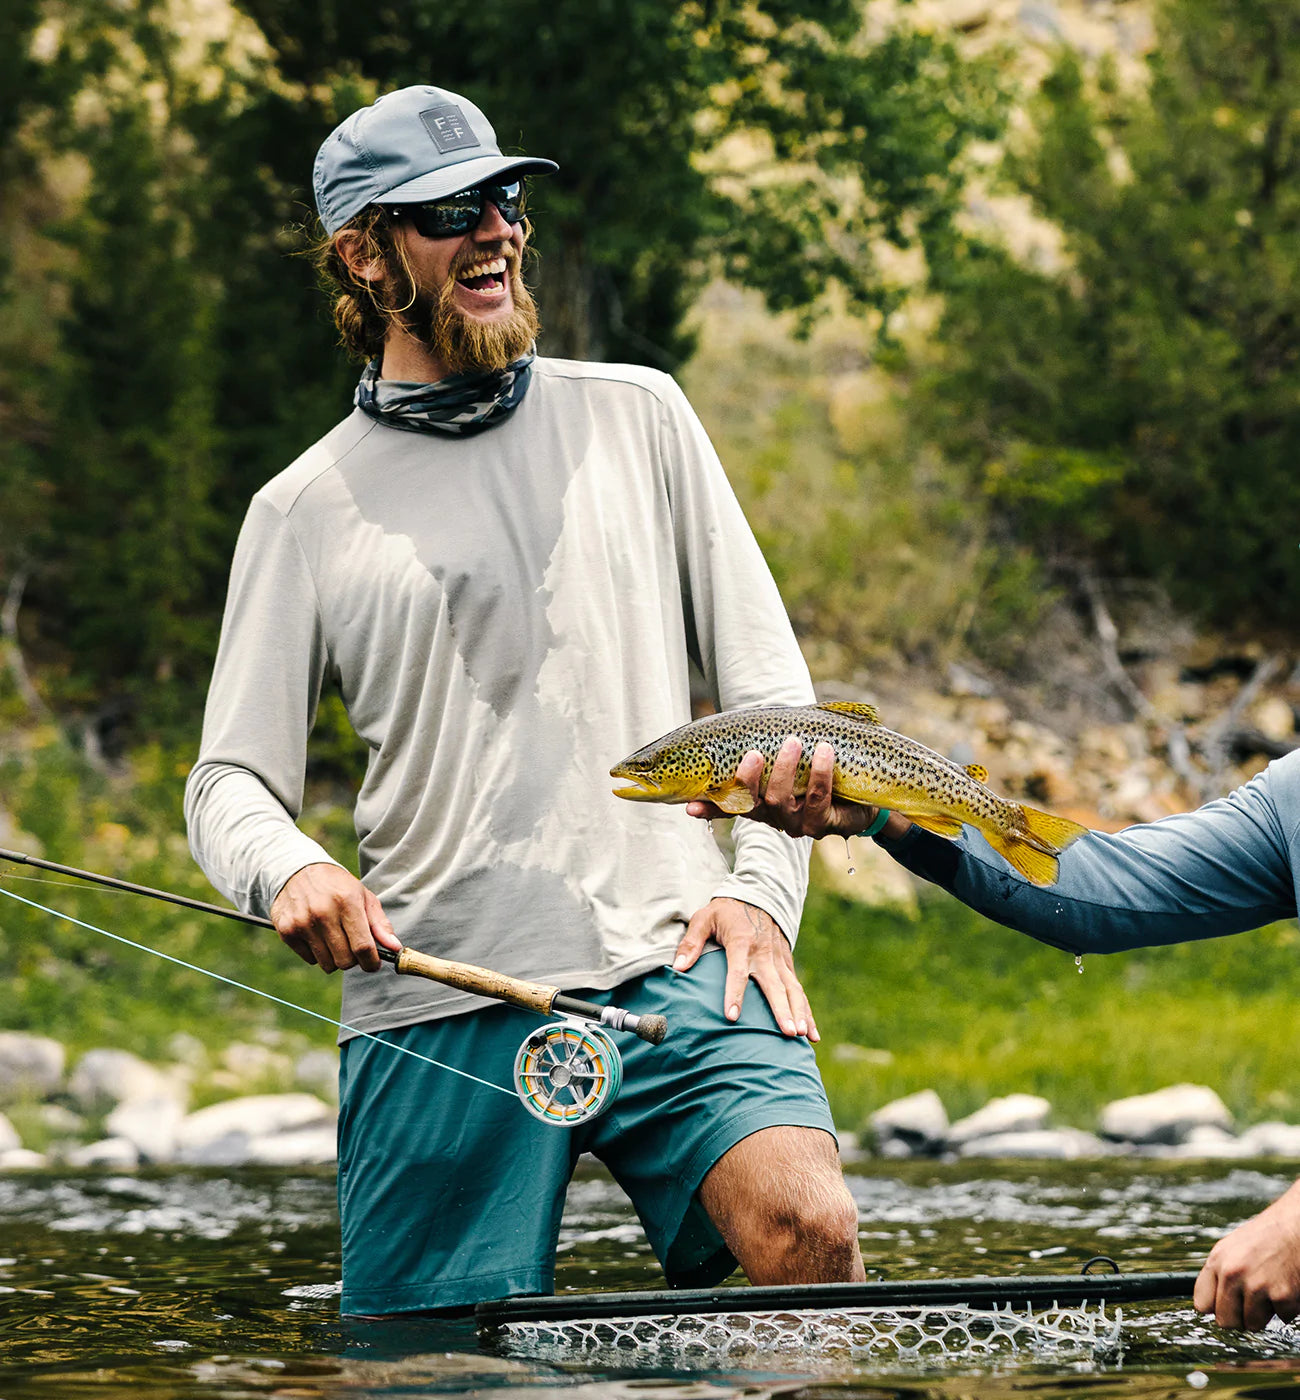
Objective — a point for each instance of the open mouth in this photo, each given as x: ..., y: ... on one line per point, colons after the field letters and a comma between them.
x: 644, y: 788
x: 484, y: 279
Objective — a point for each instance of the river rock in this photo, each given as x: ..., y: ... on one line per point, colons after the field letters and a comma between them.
x: 1272, y: 1140
x: 61, y: 1122
x: 9, y: 1138
x: 106, y: 1077
x: 31, y: 1066
x: 22, y: 1159
x: 917, y: 1123
x: 1166, y: 1116
x: 1054, y: 1144
x: 1210, y: 1142
x: 108, y: 1152
x: 223, y: 1134
x: 1016, y: 1113
x: 150, y: 1125
x: 307, y: 1147
x: 317, y: 1071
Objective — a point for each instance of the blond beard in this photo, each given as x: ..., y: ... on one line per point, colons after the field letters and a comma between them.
x: 466, y: 345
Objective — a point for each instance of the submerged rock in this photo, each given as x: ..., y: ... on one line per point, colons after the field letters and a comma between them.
x: 1166, y: 1116
x: 31, y: 1066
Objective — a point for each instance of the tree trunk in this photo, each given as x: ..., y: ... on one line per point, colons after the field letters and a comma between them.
x: 569, y: 302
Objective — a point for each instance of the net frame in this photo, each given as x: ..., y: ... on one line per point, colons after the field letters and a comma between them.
x: 922, y: 1320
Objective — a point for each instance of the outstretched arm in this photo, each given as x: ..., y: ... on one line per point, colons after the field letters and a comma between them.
x: 1219, y: 870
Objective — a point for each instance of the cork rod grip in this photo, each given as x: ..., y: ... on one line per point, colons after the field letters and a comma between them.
x: 532, y: 995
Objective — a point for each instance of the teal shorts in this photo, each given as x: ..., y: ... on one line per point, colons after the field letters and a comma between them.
x: 450, y: 1193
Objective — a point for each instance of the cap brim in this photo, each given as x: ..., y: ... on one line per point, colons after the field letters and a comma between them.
x: 451, y: 179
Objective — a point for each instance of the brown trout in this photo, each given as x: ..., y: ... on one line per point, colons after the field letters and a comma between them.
x: 873, y: 765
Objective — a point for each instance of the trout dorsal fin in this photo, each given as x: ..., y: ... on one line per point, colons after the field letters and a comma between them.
x: 978, y: 772
x: 856, y: 709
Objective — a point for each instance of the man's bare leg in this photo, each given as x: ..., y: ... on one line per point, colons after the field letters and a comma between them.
x: 779, y: 1201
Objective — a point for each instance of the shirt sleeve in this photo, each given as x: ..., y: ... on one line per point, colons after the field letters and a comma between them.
x: 1222, y: 869
x: 246, y: 789
x: 741, y: 638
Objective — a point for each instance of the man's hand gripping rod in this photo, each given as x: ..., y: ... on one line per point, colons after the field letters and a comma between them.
x: 532, y: 996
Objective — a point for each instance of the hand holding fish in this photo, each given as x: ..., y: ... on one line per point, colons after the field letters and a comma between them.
x: 812, y: 812
x: 756, y: 948
x: 326, y: 916
x: 872, y: 766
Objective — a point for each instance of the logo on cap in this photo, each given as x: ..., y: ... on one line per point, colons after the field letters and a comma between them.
x: 448, y: 128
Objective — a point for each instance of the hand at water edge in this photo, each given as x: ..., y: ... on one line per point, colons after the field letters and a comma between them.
x: 1254, y: 1273
x: 756, y: 948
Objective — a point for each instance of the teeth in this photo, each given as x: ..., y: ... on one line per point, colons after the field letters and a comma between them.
x: 495, y: 267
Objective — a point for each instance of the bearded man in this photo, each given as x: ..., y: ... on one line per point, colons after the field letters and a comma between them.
x: 507, y: 565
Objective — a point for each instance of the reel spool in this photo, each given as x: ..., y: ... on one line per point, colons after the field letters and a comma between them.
x: 567, y: 1072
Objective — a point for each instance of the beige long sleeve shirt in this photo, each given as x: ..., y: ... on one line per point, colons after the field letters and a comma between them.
x: 506, y: 616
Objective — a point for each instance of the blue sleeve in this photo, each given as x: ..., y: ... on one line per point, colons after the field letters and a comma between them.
x: 1222, y: 869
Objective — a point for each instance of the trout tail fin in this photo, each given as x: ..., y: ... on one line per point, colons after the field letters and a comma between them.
x: 1033, y: 851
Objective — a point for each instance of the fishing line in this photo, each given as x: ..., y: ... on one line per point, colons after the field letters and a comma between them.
x: 256, y: 991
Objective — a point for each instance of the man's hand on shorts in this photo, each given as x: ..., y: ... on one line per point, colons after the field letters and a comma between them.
x: 328, y: 917
x: 815, y: 813
x: 755, y: 947
x: 1254, y: 1272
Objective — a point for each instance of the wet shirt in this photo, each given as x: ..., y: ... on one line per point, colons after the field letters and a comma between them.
x: 1231, y: 865
x: 505, y: 616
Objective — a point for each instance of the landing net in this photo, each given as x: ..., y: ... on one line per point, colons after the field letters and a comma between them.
x: 1056, y: 1316
x: 929, y: 1334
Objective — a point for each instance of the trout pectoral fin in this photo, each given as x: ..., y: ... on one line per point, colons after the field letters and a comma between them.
x: 941, y: 826
x: 734, y: 798
x: 1036, y: 866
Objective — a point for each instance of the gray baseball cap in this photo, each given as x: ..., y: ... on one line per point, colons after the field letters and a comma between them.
x: 410, y: 146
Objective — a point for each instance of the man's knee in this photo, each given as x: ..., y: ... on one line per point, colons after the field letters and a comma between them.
x: 780, y: 1202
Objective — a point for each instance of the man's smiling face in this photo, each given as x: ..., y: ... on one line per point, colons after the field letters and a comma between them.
x: 470, y: 306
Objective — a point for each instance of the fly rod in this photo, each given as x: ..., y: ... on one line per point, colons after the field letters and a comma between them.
x: 497, y: 986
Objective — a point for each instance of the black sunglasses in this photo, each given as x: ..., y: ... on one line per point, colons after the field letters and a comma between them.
x: 460, y: 213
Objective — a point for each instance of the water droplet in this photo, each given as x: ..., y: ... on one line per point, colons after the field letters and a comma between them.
x: 848, y: 850
x: 1078, y: 962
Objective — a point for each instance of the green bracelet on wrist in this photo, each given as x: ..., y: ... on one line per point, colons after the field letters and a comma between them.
x: 882, y: 816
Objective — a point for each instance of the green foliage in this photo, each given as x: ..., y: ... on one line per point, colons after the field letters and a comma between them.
x: 973, y: 1010
x: 86, y: 990
x: 166, y: 352
x: 1138, y: 409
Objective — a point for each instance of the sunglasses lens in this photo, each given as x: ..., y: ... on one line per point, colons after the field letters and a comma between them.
x: 459, y: 213
x: 510, y: 199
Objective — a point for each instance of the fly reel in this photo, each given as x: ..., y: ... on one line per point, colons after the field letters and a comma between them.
x: 566, y: 1073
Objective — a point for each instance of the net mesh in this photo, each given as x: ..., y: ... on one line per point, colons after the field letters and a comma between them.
x: 930, y: 1333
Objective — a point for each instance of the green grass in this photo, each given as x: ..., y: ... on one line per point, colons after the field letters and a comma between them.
x: 961, y: 1006
x: 973, y: 1010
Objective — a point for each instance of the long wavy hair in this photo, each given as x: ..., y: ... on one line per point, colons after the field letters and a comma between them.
x: 363, y: 310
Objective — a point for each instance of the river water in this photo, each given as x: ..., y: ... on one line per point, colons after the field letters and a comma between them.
x: 186, y: 1284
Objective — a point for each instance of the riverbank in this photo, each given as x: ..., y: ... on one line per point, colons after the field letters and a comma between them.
x: 914, y: 995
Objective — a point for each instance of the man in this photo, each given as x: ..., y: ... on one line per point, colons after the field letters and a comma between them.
x: 507, y: 565
x: 1231, y: 866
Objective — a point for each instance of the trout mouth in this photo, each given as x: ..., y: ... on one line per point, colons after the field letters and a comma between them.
x: 644, y: 789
